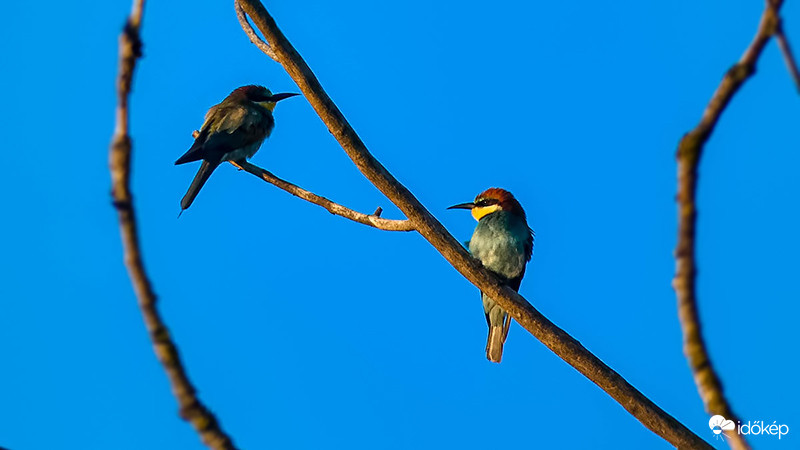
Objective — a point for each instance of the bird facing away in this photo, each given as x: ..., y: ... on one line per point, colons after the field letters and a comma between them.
x: 503, y: 242
x: 233, y: 131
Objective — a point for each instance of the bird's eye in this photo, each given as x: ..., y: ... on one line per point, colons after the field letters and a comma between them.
x: 481, y: 203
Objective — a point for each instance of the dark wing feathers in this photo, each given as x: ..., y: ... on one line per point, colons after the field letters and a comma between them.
x: 528, y: 247
x: 195, y: 152
x: 218, y: 144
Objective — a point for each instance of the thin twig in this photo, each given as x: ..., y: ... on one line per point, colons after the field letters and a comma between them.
x: 788, y: 56
x: 689, y: 153
x: 251, y: 33
x: 373, y: 220
x: 556, y: 339
x: 191, y: 409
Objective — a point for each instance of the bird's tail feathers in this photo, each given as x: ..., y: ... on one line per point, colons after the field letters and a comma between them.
x: 199, y: 180
x: 494, y: 344
x: 497, y: 337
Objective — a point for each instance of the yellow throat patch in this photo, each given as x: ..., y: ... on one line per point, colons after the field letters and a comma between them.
x: 481, y: 211
x: 269, y: 105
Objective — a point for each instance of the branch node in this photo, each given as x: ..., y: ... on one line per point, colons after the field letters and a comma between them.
x: 121, y: 205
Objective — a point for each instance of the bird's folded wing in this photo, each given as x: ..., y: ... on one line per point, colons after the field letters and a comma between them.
x: 228, y: 128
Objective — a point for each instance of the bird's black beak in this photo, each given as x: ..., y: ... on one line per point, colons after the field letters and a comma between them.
x: 279, y: 97
x: 469, y: 205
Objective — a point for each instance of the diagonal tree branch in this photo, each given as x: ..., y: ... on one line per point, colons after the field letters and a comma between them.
x: 689, y: 153
x: 556, y: 339
x: 191, y: 409
x: 373, y: 220
x: 788, y: 57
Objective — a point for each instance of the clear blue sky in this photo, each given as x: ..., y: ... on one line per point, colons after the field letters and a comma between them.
x: 304, y: 330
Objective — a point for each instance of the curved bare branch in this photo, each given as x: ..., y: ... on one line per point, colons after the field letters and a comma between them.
x: 191, y: 408
x: 690, y: 150
x: 556, y: 339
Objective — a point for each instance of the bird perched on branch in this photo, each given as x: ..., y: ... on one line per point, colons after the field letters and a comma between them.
x: 503, y: 242
x: 233, y: 131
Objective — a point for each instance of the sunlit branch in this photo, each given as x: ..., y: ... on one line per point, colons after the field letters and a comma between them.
x: 373, y: 220
x: 556, y: 339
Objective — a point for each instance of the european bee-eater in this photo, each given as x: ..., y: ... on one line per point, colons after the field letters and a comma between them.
x: 503, y: 242
x: 233, y: 131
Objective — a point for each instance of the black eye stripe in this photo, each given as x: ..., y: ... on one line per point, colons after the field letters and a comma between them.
x: 486, y: 202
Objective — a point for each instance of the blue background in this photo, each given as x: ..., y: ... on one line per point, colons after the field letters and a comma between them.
x: 304, y: 330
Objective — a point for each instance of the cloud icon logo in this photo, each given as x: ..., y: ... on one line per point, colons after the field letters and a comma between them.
x: 718, y: 424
